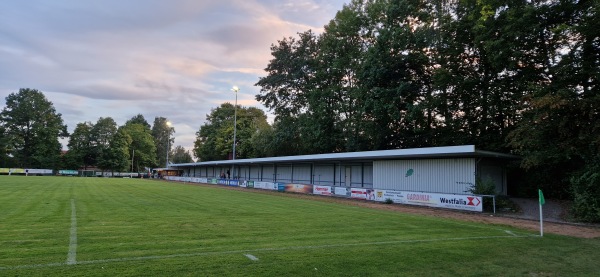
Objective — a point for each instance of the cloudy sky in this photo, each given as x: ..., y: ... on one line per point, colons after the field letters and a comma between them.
x: 170, y: 58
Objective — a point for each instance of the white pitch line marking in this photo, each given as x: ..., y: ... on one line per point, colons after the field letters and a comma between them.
x: 510, y: 233
x: 71, y: 257
x: 161, y: 257
x: 251, y: 257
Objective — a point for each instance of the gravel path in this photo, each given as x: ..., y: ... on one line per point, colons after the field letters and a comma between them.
x: 553, y: 211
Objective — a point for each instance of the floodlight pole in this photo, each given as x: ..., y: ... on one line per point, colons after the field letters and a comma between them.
x: 168, y: 141
x: 235, y: 89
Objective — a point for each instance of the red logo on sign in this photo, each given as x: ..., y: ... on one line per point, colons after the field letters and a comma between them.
x: 471, y: 201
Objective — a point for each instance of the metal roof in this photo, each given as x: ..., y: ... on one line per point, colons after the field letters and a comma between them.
x: 462, y: 151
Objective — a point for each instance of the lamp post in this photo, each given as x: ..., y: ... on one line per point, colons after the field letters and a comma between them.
x: 168, y: 141
x: 234, y: 89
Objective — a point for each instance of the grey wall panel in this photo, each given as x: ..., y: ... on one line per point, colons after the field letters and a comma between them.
x: 323, y: 174
x: 302, y: 173
x: 255, y: 172
x: 436, y: 175
x: 284, y: 173
x: 368, y: 175
x: 268, y: 172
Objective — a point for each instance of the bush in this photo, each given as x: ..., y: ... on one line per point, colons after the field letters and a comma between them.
x: 481, y: 187
x: 586, y: 194
x: 486, y: 187
x: 388, y: 201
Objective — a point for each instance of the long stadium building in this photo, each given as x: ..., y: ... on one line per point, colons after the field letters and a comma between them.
x: 449, y: 170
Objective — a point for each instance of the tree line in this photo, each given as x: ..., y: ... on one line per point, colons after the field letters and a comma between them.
x: 514, y: 76
x: 30, y: 128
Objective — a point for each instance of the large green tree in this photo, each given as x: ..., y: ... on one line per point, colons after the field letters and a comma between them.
x: 138, y: 119
x: 33, y: 127
x: 141, y: 147
x: 559, y: 133
x: 180, y: 155
x: 162, y: 133
x: 6, y: 160
x: 81, y: 148
x: 115, y: 157
x: 214, y: 140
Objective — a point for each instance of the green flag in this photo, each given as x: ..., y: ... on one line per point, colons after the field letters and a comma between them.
x: 542, y: 200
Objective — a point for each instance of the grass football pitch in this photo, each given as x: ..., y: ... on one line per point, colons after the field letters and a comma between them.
x: 69, y: 226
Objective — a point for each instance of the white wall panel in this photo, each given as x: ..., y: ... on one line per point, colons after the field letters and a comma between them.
x: 436, y: 175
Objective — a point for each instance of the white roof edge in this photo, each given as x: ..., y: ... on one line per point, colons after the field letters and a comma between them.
x: 377, y: 154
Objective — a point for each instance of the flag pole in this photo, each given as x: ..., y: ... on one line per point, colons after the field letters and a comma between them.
x: 542, y: 202
x: 541, y: 222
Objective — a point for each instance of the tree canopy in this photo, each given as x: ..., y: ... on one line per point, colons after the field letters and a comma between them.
x: 163, y: 139
x: 510, y: 76
x: 214, y: 140
x: 32, y: 128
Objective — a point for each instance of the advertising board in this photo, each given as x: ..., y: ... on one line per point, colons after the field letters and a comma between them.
x: 321, y: 190
x: 298, y: 188
x: 265, y: 185
x: 438, y: 200
x: 341, y: 191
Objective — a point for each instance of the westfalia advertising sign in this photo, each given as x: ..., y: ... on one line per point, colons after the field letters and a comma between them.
x: 439, y: 200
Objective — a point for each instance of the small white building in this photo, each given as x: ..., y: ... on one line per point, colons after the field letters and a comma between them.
x: 451, y: 169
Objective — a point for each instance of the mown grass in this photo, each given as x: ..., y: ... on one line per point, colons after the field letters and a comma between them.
x: 133, y: 227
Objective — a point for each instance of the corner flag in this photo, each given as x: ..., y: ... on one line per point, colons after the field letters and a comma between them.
x: 542, y: 202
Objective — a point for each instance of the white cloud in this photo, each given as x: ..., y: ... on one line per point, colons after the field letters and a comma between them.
x: 174, y: 59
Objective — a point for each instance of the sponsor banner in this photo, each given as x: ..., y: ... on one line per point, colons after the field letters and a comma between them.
x: 203, y: 180
x: 39, y: 171
x: 366, y: 194
x: 260, y: 185
x: 195, y: 180
x: 420, y: 198
x: 68, y: 172
x: 321, y: 190
x: 266, y: 185
x: 298, y: 188
x: 438, y: 200
x: 460, y: 202
x: 358, y: 193
x: 4, y: 170
x: 213, y: 181
x: 248, y: 184
x: 394, y: 195
x: 341, y: 191
x: 233, y: 183
x: 222, y: 182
